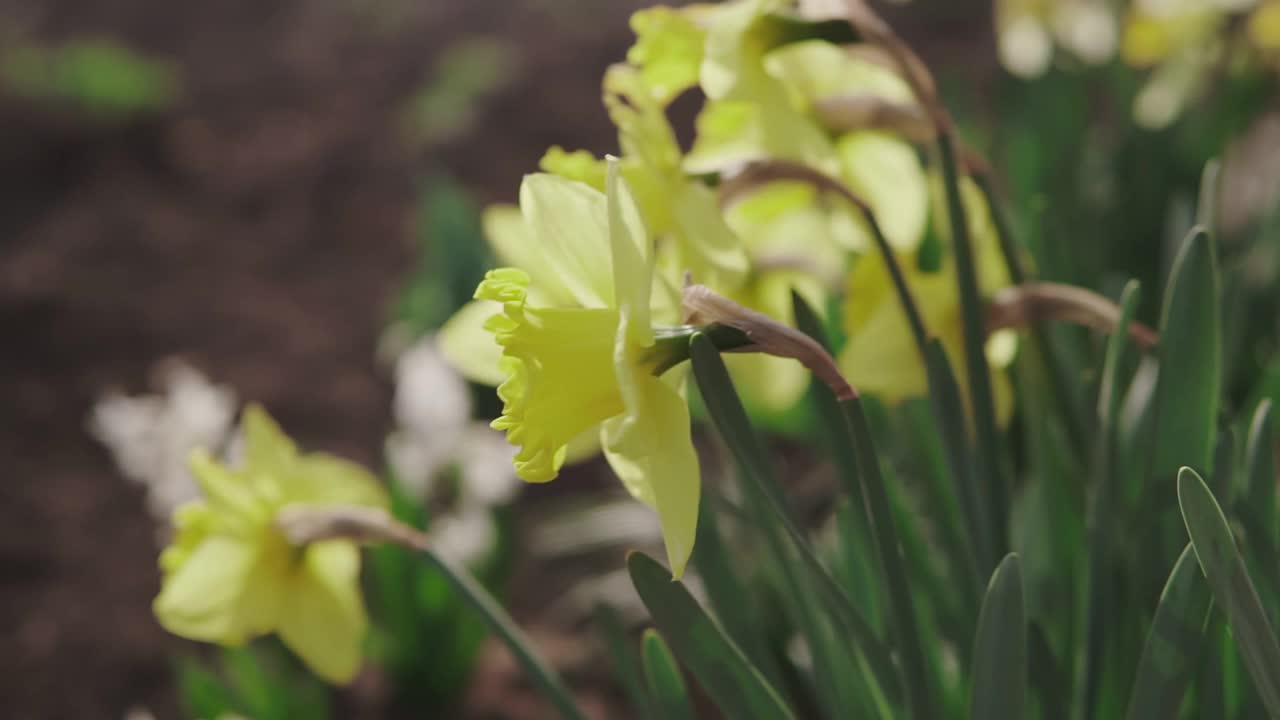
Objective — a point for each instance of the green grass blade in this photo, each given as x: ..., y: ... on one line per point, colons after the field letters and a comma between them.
x: 1257, y: 511
x: 1232, y: 589
x: 1174, y: 643
x: 921, y: 690
x: 948, y: 411
x: 1106, y: 499
x: 666, y: 684
x: 999, y: 676
x: 730, y: 419
x: 626, y: 665
x: 1189, y: 385
x: 732, y: 682
x: 979, y: 372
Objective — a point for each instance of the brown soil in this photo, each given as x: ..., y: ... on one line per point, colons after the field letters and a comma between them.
x: 257, y: 229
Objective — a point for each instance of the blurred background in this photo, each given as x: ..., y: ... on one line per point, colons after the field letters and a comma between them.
x: 251, y: 189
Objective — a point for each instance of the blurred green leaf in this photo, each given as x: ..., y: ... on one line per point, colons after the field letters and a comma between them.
x: 1174, y: 643
x: 728, y: 594
x: 999, y: 674
x: 978, y: 371
x: 920, y: 687
x: 666, y: 684
x: 948, y: 408
x: 203, y: 693
x: 1257, y: 509
x: 101, y: 76
x: 735, y: 685
x: 1190, y: 380
x: 1107, y: 500
x: 1232, y: 589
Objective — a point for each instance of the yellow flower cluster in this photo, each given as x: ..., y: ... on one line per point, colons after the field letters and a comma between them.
x: 570, y: 327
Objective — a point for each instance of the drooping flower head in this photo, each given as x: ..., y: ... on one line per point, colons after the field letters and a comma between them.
x: 230, y: 574
x: 590, y: 364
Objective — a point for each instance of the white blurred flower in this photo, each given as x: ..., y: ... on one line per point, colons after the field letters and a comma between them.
x: 1025, y: 46
x: 432, y: 409
x: 434, y: 432
x: 467, y: 536
x: 484, y: 460
x: 150, y: 437
x: 1089, y: 29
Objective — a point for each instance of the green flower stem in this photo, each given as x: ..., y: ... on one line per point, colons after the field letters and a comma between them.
x: 501, y: 623
x: 922, y: 693
x: 987, y: 459
x: 1049, y: 353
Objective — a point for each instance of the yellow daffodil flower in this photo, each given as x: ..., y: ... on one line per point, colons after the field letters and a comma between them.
x: 574, y: 367
x: 231, y: 575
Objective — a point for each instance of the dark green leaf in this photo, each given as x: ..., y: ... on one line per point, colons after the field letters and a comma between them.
x: 1232, y: 589
x: 987, y: 459
x: 1107, y: 499
x: 730, y: 419
x: 920, y: 685
x: 999, y: 676
x: 666, y: 684
x: 1258, y: 509
x: 1190, y: 380
x: 1174, y: 643
x: 735, y: 685
x: 726, y: 591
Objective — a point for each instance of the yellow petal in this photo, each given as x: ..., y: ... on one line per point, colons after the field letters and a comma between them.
x: 266, y: 446
x: 880, y: 355
x: 583, y: 447
x: 668, y: 51
x: 200, y: 598
x: 469, y: 348
x: 560, y: 373
x: 1264, y: 26
x: 817, y: 69
x: 322, y: 618
x: 568, y: 224
x: 578, y: 165
x: 632, y: 261
x: 321, y: 478
x: 651, y: 450
x: 233, y: 496
x: 886, y: 172
x: 712, y: 252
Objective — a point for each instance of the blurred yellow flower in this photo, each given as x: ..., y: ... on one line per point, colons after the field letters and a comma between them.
x: 590, y: 363
x: 231, y: 575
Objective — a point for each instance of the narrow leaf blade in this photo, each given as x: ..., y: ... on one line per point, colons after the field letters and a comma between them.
x: 1173, y: 644
x: 1232, y: 589
x: 1000, y: 649
x: 736, y: 686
